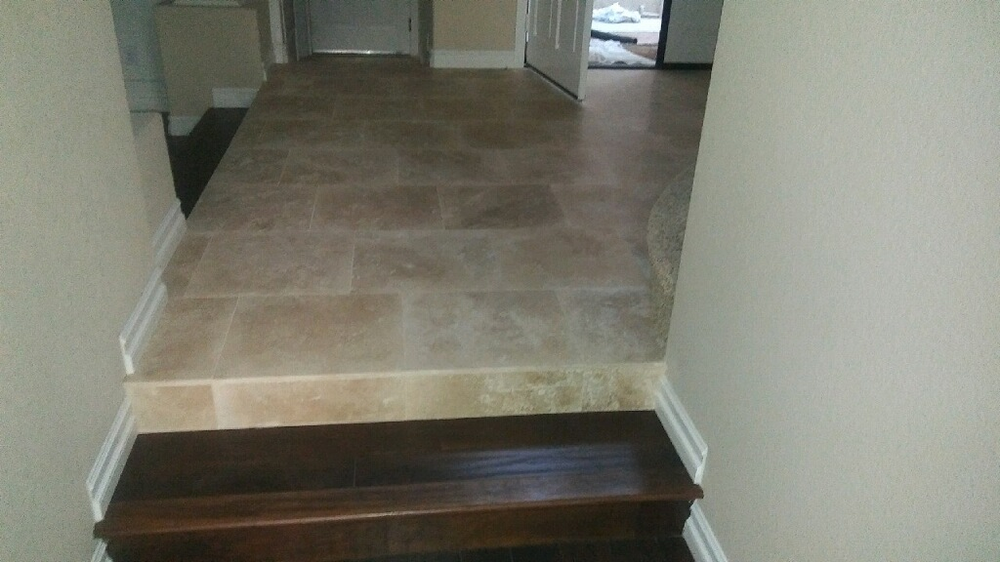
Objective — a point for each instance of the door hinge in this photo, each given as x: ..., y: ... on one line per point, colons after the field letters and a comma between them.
x: 409, y: 25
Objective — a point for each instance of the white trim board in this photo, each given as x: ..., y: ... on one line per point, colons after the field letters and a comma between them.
x: 100, y: 552
x: 700, y: 538
x: 233, y: 97
x: 685, y: 437
x: 110, y: 462
x: 181, y: 125
x: 141, y: 323
x: 168, y: 235
x: 475, y: 59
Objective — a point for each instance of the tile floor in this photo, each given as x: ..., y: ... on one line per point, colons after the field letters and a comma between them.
x: 386, y: 241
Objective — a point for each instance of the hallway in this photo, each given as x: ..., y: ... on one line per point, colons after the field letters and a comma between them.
x: 383, y: 241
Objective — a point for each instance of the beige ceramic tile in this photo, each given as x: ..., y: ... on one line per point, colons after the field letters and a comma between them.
x: 483, y: 329
x: 369, y: 166
x: 500, y: 206
x: 432, y: 167
x: 288, y: 336
x: 161, y: 408
x: 188, y: 339
x: 253, y: 208
x: 567, y: 257
x: 377, y: 108
x: 178, y: 272
x: 425, y: 262
x: 316, y: 401
x: 398, y: 207
x: 611, y: 326
x: 251, y: 165
x: 274, y: 263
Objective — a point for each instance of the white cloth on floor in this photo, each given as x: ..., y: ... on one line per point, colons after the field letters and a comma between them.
x: 615, y: 13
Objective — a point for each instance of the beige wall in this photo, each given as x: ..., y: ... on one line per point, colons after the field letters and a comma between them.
x: 157, y: 185
x: 692, y: 31
x: 475, y: 25
x: 206, y: 48
x: 836, y: 327
x: 75, y: 257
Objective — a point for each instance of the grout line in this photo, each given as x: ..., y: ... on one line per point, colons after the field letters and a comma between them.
x: 312, y: 216
x: 225, y: 340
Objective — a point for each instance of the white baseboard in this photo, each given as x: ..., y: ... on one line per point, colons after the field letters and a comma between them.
x: 685, y: 437
x: 475, y: 59
x: 181, y: 125
x: 700, y: 539
x: 233, y: 97
x: 168, y: 235
x: 110, y: 460
x: 141, y: 323
x: 100, y: 552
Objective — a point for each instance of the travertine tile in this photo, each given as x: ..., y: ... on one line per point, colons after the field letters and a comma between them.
x: 491, y: 394
x: 396, y: 207
x: 425, y: 262
x: 567, y: 257
x: 507, y: 134
x: 604, y: 206
x: 557, y: 165
x: 302, y: 402
x: 188, y: 340
x: 165, y: 407
x: 376, y: 108
x: 461, y: 109
x: 274, y: 263
x: 431, y: 167
x: 621, y: 387
x: 178, y: 272
x: 371, y: 166
x: 251, y: 165
x: 309, y: 133
x: 611, y: 326
x: 500, y: 206
x: 287, y: 336
x: 483, y: 329
x: 253, y: 208
x: 411, y: 134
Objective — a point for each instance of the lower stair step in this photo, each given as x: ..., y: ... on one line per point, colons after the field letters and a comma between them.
x: 348, y: 492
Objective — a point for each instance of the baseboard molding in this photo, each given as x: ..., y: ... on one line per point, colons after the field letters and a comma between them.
x: 700, y: 539
x: 685, y: 437
x: 110, y: 461
x: 475, y: 59
x: 181, y: 125
x: 140, y: 324
x: 100, y: 552
x: 168, y: 235
x: 233, y: 97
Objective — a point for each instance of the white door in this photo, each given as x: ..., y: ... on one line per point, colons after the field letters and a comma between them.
x: 360, y: 26
x: 559, y: 41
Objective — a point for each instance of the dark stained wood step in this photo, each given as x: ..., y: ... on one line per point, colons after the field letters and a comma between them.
x: 370, y: 490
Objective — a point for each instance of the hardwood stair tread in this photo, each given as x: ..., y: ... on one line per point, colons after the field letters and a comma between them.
x: 477, y: 483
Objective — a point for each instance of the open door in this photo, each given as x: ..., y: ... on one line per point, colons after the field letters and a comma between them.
x: 558, y: 41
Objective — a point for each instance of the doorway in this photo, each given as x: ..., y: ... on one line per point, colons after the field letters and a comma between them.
x: 628, y: 33
x: 383, y: 27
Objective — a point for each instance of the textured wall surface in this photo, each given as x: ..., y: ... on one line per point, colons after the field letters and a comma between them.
x: 75, y: 254
x: 835, y: 328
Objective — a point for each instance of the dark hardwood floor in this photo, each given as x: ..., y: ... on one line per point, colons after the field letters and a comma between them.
x: 574, y: 487
x: 194, y: 157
